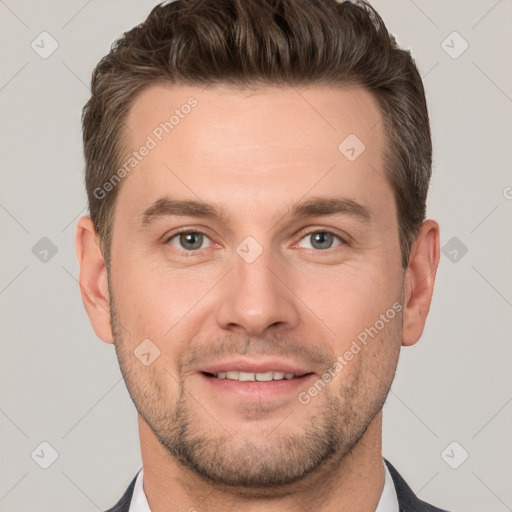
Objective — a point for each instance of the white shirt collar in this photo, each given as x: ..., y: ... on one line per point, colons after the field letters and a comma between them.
x: 388, y: 499
x: 139, y: 501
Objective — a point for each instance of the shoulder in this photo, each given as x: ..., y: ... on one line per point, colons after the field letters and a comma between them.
x: 123, y: 505
x: 407, y: 500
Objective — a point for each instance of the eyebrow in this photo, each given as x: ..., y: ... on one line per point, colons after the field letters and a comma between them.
x: 313, y: 207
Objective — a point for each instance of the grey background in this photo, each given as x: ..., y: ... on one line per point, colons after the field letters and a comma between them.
x: 62, y: 385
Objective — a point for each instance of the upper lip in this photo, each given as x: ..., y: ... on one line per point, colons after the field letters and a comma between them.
x: 260, y: 366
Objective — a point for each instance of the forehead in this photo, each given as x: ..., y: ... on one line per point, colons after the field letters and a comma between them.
x: 240, y: 147
x: 163, y: 110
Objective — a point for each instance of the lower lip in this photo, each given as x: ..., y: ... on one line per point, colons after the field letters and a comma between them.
x: 259, y: 390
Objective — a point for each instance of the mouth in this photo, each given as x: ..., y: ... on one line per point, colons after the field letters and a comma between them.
x: 267, y: 376
x: 255, y: 380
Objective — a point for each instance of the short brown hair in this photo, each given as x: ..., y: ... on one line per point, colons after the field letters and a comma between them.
x: 244, y: 43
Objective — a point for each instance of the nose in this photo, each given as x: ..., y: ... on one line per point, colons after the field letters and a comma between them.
x: 257, y: 298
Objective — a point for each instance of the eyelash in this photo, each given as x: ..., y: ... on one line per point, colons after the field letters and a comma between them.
x: 343, y: 242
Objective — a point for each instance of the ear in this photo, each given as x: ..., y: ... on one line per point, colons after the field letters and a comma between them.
x: 419, y: 281
x: 93, y: 279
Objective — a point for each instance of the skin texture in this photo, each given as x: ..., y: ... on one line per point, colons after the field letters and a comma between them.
x: 256, y: 154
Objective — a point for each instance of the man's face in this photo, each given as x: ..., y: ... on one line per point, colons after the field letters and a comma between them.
x: 262, y: 289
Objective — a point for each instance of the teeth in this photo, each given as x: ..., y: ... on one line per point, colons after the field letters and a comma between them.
x: 264, y: 377
x: 260, y: 377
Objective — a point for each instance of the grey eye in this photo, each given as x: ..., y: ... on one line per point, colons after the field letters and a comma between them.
x: 321, y: 239
x: 189, y: 240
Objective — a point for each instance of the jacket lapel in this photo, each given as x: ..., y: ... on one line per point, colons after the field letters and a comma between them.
x: 407, y: 500
x: 123, y: 505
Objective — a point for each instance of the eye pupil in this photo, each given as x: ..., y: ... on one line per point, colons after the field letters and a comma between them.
x: 195, y: 239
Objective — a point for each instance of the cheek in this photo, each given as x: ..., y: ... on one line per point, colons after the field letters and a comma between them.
x: 352, y: 299
x: 141, y: 296
x: 160, y: 306
x: 365, y: 363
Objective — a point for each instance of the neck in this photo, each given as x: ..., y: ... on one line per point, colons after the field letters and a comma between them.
x: 353, y: 483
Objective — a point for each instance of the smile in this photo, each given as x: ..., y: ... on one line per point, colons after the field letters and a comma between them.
x: 251, y: 377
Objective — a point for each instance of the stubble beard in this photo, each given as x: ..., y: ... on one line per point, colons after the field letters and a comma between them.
x: 247, y: 463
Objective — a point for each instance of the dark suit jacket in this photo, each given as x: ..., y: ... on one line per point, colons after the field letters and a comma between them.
x: 407, y: 500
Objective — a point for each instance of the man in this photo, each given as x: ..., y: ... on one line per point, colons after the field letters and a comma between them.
x: 257, y: 249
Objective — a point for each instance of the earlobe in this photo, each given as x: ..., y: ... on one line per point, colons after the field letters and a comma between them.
x: 419, y: 281
x: 93, y: 279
